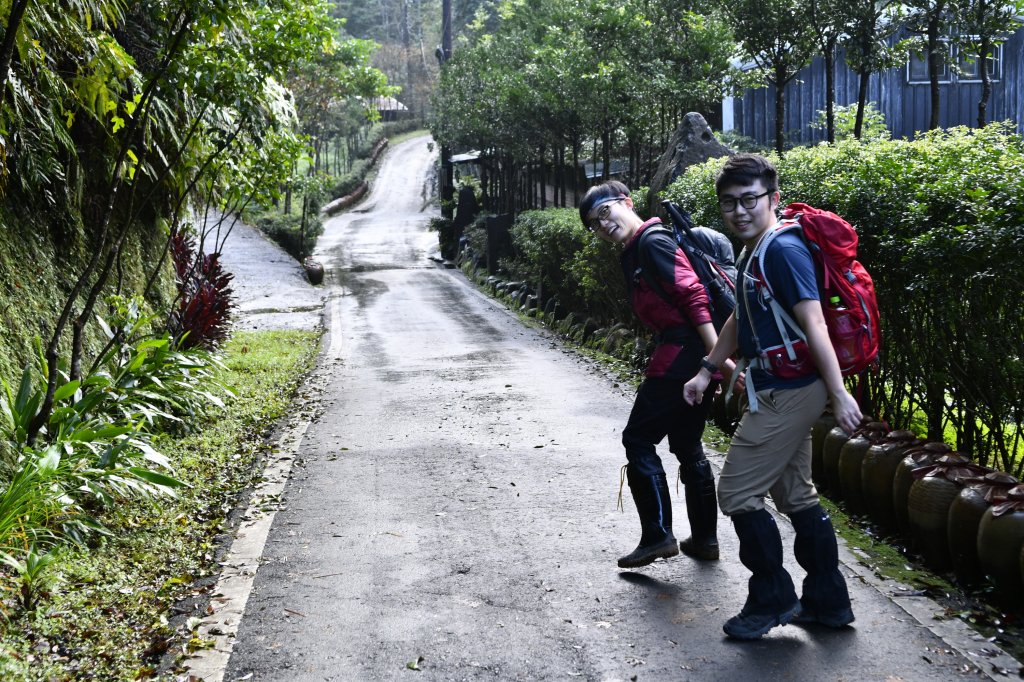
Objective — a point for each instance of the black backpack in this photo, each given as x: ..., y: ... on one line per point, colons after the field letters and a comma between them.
x: 711, y: 257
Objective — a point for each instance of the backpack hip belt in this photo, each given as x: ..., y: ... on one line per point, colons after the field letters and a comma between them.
x: 790, y: 360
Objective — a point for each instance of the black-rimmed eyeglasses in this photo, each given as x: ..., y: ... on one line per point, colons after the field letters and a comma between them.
x: 603, y: 211
x: 747, y: 201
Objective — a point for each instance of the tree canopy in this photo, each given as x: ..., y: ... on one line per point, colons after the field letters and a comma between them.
x: 123, y: 117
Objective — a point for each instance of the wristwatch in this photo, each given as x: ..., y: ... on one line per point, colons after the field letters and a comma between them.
x: 708, y: 365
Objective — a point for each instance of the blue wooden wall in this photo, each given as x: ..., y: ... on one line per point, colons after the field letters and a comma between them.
x: 906, y: 106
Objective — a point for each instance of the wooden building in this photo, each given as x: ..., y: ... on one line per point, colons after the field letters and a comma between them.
x: 902, y: 94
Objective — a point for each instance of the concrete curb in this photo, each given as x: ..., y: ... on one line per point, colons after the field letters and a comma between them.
x: 242, y: 561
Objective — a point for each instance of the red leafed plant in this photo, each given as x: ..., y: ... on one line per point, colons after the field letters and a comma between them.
x: 204, y: 296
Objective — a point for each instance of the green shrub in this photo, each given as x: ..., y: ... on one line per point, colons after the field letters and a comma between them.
x: 560, y: 258
x: 445, y: 229
x: 942, y: 227
x: 845, y: 121
x: 287, y: 231
x: 349, y: 182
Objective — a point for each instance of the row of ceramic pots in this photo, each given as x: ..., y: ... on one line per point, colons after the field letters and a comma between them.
x: 960, y: 516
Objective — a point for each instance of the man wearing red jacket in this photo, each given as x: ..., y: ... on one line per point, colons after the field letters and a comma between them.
x: 681, y: 320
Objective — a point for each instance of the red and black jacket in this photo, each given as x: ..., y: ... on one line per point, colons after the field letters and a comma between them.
x: 674, y: 323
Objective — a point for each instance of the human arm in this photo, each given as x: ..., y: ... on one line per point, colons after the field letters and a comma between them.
x: 719, y: 353
x: 812, y: 322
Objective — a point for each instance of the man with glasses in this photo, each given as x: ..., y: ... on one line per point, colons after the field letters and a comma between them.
x: 680, y: 317
x: 771, y: 450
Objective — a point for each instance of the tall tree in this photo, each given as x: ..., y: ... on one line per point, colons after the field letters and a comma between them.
x: 777, y: 38
x: 127, y: 117
x: 933, y: 20
x: 983, y: 26
x: 829, y: 19
x: 871, y: 27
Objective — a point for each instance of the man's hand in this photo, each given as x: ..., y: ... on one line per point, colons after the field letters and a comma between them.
x: 693, y: 391
x: 846, y: 411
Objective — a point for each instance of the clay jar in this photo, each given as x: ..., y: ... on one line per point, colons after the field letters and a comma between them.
x: 831, y: 448
x: 877, y: 472
x: 965, y: 517
x: 931, y: 495
x: 922, y: 455
x: 1001, y: 542
x: 825, y: 423
x: 851, y: 457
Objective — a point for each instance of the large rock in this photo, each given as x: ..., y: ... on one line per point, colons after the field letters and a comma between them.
x: 693, y: 142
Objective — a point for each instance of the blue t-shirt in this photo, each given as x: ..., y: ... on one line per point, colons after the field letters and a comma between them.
x: 790, y: 271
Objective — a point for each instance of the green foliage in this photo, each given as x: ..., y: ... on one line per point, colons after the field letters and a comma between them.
x: 445, y: 229
x: 562, y: 259
x: 121, y: 595
x: 740, y: 143
x: 96, y: 447
x: 872, y: 128
x: 31, y: 574
x: 940, y: 226
x: 555, y: 73
x: 694, y: 190
x: 286, y: 230
x: 779, y: 39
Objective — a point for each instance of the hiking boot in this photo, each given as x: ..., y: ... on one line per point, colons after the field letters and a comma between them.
x: 653, y: 504
x: 701, y: 510
x: 832, y: 620
x: 643, y: 555
x: 708, y: 551
x: 771, y: 598
x: 825, y: 599
x: 755, y: 625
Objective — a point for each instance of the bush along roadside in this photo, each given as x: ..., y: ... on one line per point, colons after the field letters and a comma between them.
x: 940, y: 227
x: 296, y: 221
x: 622, y: 351
x: 936, y: 218
x: 118, y: 602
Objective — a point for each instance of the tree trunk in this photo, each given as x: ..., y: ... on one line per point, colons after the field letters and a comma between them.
x: 830, y: 92
x: 934, y: 57
x: 606, y: 154
x: 862, y: 97
x: 543, y: 181
x: 780, y: 109
x: 575, y: 170
x: 986, y: 81
x: 11, y: 31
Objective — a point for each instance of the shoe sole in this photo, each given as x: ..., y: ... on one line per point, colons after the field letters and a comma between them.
x: 667, y: 552
x: 703, y: 555
x: 783, y: 618
x: 804, y: 618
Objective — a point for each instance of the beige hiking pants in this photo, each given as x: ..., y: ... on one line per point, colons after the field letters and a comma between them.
x: 771, y: 452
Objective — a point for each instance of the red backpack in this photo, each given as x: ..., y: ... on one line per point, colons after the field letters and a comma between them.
x: 848, y: 293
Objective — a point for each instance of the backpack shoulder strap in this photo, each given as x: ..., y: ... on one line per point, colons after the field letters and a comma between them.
x: 783, y: 319
x: 644, y: 271
x: 762, y: 248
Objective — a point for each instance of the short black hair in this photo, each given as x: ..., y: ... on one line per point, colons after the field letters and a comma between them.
x: 612, y: 189
x: 746, y: 169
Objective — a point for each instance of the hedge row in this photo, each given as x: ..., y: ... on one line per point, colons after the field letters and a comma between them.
x: 942, y: 231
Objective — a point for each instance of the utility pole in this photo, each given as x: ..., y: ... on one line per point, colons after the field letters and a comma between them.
x: 447, y: 173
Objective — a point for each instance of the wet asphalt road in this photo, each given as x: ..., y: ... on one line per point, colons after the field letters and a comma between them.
x: 452, y: 506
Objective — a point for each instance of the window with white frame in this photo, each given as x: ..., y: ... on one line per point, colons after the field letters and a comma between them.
x: 969, y: 65
x: 917, y: 66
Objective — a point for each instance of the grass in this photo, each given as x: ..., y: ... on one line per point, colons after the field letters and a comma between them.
x: 121, y: 609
